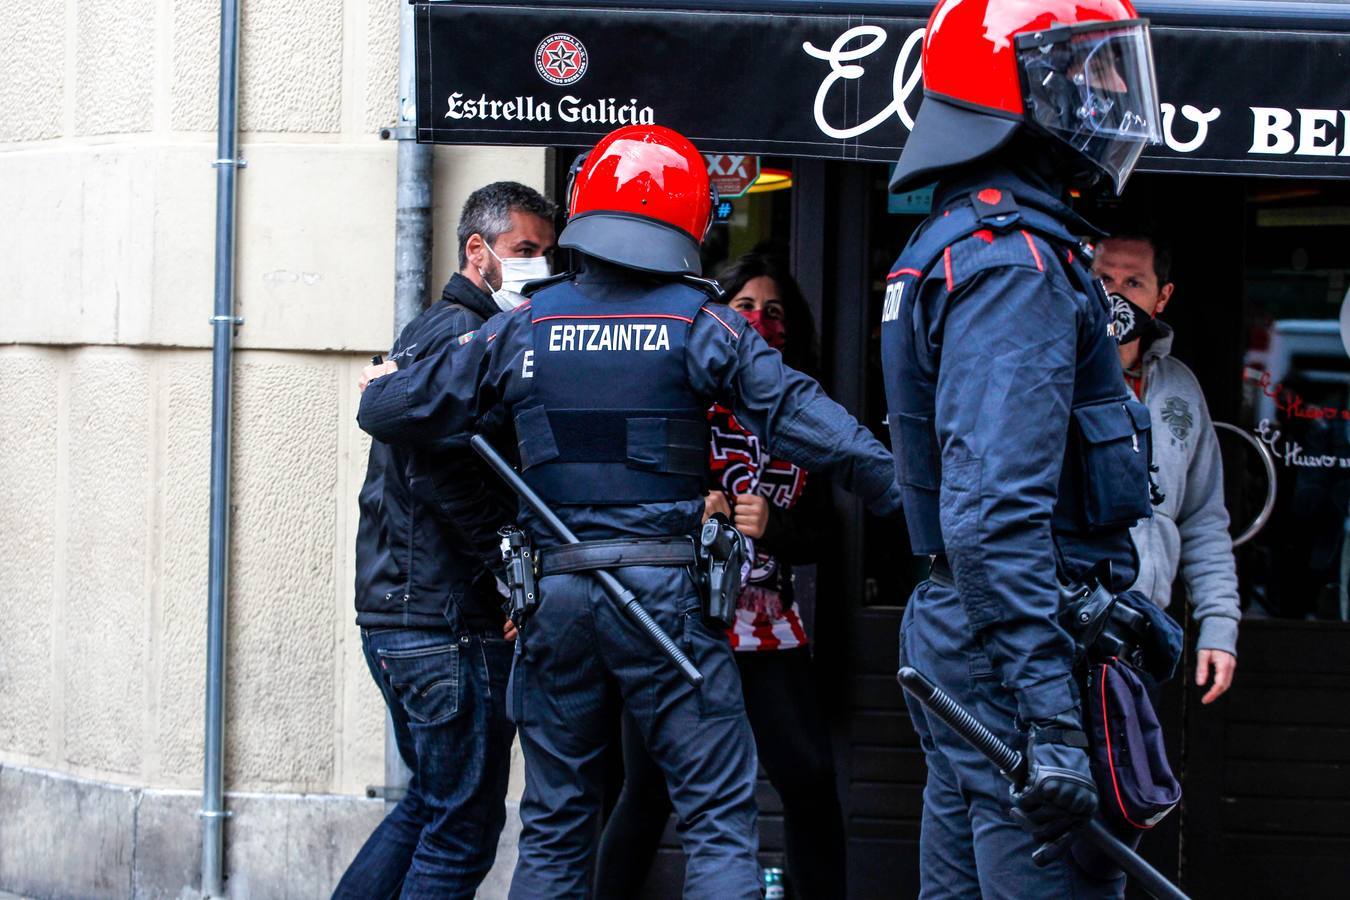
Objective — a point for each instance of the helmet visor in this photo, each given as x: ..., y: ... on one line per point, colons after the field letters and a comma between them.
x: 1094, y: 89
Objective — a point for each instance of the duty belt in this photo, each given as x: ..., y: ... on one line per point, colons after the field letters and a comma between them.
x: 616, y: 553
x: 1101, y: 626
x: 941, y: 571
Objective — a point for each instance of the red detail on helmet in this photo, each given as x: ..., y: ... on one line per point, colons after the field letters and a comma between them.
x: 985, y: 235
x: 648, y: 171
x: 990, y: 196
x: 968, y: 49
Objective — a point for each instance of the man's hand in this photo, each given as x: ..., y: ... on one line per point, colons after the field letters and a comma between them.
x: 715, y: 502
x: 752, y: 515
x: 509, y: 630
x: 370, y: 373
x: 1224, y: 665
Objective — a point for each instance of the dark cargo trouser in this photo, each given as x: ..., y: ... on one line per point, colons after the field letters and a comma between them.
x: 579, y: 658
x: 968, y: 844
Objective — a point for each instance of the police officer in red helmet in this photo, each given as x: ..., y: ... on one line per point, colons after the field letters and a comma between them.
x: 1022, y: 457
x: 602, y: 381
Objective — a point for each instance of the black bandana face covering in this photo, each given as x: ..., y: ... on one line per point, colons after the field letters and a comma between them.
x: 1129, y: 322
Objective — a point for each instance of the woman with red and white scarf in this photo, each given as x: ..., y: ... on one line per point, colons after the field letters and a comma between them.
x: 785, y: 522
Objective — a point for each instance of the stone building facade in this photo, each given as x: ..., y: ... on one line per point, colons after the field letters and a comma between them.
x: 107, y: 118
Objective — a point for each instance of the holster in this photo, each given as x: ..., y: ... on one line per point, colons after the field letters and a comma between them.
x: 1101, y: 626
x: 721, y: 550
x: 1128, y: 627
x: 521, y: 572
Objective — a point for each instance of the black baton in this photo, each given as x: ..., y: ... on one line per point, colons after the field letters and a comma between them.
x: 1013, y: 766
x: 617, y: 592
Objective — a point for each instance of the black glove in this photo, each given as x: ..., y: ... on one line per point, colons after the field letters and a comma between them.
x: 1059, y: 792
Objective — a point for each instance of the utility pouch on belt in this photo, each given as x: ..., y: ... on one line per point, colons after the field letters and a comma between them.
x: 520, y: 560
x: 1122, y: 645
x: 1129, y: 759
x: 721, y: 550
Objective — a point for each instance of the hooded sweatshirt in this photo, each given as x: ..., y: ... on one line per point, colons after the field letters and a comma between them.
x: 1188, y: 532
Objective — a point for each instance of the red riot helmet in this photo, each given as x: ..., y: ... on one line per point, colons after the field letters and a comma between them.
x: 640, y: 199
x: 1079, y: 72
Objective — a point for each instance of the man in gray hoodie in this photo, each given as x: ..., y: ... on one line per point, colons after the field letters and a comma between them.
x: 1188, y: 532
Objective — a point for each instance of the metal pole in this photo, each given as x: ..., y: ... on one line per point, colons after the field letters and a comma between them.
x: 412, y: 231
x: 412, y: 269
x: 223, y: 324
x: 412, y: 218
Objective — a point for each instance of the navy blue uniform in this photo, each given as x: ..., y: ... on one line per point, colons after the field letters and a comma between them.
x: 431, y: 630
x: 1023, y: 460
x: 606, y: 381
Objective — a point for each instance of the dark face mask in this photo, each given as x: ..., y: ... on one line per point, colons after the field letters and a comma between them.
x: 1129, y: 322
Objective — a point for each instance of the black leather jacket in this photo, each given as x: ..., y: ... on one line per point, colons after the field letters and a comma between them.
x: 427, y: 533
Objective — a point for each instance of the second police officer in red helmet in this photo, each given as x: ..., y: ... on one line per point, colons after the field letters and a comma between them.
x: 602, y: 382
x: 1022, y: 457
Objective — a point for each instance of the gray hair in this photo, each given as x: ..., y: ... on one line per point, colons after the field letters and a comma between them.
x: 487, y: 212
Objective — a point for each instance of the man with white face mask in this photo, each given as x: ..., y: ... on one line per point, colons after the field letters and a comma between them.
x: 432, y: 628
x: 505, y: 241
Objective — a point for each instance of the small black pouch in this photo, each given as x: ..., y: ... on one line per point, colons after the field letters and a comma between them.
x: 1114, y: 453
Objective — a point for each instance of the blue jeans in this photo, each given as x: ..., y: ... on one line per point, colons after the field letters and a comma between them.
x: 581, y: 659
x: 969, y: 846
x: 446, y: 694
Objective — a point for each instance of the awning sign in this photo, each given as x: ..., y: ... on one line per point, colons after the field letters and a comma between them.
x: 732, y: 173
x: 1234, y: 100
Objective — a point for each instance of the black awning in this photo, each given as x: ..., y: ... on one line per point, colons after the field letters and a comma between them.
x: 1247, y: 86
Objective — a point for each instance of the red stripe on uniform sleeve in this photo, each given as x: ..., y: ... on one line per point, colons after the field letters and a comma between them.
x: 947, y: 264
x: 1035, y: 254
x: 719, y: 321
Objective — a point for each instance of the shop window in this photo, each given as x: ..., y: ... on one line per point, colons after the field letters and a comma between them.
x: 1296, y: 400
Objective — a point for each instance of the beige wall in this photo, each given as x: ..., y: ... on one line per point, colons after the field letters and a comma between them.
x: 107, y: 109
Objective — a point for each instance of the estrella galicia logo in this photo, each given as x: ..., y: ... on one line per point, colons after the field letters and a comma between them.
x: 560, y: 59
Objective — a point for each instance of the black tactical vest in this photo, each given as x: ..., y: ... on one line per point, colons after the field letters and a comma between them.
x: 611, y: 417
x: 1103, y: 487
